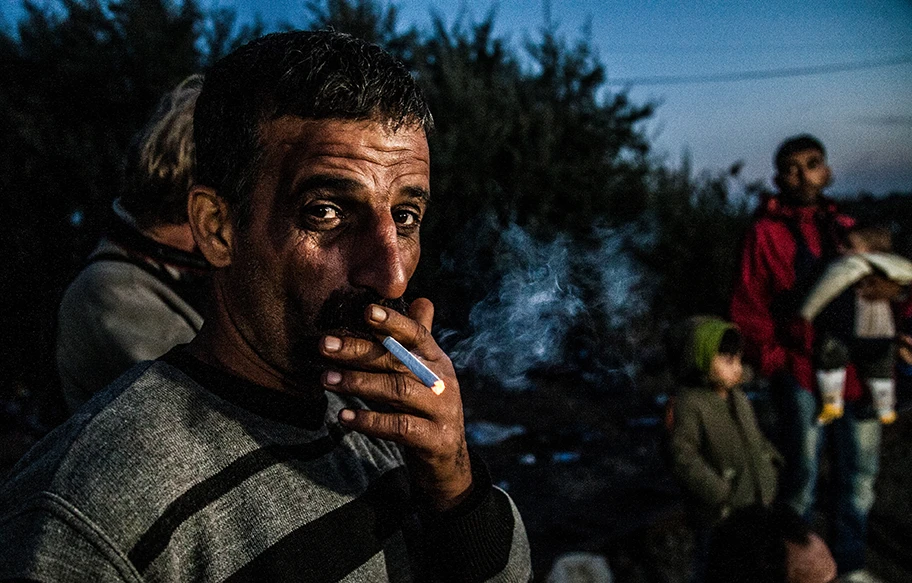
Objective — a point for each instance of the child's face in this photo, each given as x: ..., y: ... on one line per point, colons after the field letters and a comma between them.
x: 803, y: 176
x: 725, y: 371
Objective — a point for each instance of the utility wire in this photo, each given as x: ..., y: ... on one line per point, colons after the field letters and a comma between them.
x: 754, y: 75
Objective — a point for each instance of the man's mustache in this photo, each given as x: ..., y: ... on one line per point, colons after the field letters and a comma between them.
x: 343, y: 312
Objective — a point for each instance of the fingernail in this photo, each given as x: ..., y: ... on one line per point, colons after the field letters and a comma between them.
x: 378, y: 314
x: 332, y: 344
x: 347, y: 415
x: 332, y: 378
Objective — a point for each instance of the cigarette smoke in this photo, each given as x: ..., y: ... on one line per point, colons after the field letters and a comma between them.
x: 553, y: 308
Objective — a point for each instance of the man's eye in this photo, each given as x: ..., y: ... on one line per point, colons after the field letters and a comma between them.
x: 407, y: 218
x: 322, y: 217
x: 324, y: 212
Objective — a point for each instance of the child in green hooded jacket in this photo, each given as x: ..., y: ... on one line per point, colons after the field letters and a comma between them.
x: 721, y: 458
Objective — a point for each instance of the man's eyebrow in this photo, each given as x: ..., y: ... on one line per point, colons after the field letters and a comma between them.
x: 416, y: 192
x: 347, y: 185
x: 327, y: 182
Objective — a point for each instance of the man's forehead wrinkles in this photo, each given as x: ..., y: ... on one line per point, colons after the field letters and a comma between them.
x: 386, y: 158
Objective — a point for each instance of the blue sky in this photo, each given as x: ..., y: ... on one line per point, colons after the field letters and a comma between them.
x: 864, y: 115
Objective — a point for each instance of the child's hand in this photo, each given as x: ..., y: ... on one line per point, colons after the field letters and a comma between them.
x: 905, y: 348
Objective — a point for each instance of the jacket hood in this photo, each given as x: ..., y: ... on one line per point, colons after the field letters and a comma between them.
x: 704, y: 344
x: 700, y: 343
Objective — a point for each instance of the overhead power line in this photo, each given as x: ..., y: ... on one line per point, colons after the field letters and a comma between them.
x: 754, y: 75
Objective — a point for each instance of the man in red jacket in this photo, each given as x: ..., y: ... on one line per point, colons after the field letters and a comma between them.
x: 792, y: 238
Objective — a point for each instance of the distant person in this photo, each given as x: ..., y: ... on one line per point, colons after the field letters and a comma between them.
x: 141, y: 292
x: 791, y: 240
x: 854, y: 321
x: 719, y: 454
x: 760, y: 544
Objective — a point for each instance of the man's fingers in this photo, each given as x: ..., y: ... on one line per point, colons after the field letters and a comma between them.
x: 351, y: 349
x: 399, y: 390
x: 412, y: 331
x: 400, y: 428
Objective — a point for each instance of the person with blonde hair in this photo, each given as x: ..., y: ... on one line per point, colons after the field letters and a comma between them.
x: 140, y: 293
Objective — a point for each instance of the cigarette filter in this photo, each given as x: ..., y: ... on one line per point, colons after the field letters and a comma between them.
x: 411, y: 362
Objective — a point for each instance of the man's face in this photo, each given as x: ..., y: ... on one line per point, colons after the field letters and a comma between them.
x: 803, y: 176
x: 334, y: 222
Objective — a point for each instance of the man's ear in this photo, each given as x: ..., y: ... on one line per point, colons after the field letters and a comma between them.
x: 211, y: 224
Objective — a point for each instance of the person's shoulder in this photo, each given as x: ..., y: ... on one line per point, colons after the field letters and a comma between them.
x: 108, y: 451
x: 107, y: 272
x: 52, y: 463
x: 738, y: 394
x: 741, y: 401
x: 693, y: 397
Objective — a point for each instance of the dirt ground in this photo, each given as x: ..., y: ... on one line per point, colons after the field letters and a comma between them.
x: 589, y: 474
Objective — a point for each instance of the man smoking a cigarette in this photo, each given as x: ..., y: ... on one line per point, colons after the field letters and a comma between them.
x: 249, y: 454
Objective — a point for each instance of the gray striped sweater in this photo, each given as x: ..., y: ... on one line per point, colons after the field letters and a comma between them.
x: 179, y: 472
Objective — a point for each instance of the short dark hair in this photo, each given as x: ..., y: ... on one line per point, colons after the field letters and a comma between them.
x: 793, y: 145
x: 311, y: 74
x: 159, y: 165
x: 731, y: 343
x: 750, y: 545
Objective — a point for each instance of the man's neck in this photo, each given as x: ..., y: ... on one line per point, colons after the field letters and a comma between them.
x: 799, y: 202
x: 221, y: 345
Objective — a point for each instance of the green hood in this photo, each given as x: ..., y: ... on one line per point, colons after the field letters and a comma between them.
x: 704, y: 342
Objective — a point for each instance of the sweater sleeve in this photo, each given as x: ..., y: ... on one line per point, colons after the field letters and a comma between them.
x: 482, y: 539
x: 49, y: 540
x: 688, y: 463
x: 751, y: 306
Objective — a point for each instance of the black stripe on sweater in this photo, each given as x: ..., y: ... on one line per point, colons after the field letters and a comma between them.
x: 335, y: 544
x: 156, y: 539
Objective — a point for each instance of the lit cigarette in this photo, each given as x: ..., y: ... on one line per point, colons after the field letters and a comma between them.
x: 411, y: 362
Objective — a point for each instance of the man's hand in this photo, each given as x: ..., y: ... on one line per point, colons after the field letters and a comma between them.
x: 429, y: 426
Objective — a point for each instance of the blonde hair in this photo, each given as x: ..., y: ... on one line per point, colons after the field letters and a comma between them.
x: 161, y: 163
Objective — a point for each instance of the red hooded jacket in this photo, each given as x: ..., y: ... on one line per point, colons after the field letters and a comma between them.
x: 776, y: 271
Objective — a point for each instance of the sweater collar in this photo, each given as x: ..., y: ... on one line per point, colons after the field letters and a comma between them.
x: 302, y: 411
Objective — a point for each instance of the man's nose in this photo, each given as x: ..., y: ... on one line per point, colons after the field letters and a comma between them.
x: 377, y: 259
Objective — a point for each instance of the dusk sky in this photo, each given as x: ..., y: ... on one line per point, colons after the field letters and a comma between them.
x: 859, y: 102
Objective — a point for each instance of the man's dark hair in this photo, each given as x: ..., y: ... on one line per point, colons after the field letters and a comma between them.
x: 159, y: 165
x: 749, y: 546
x: 310, y: 74
x: 794, y: 145
x: 731, y: 343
